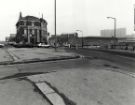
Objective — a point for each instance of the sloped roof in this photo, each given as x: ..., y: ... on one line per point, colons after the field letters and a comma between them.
x: 34, y: 18
x: 31, y: 18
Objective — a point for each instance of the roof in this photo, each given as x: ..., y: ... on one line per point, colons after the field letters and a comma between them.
x: 33, y: 18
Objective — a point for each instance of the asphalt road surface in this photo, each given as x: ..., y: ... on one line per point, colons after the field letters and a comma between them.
x: 91, y: 59
x: 127, y: 63
x: 91, y: 62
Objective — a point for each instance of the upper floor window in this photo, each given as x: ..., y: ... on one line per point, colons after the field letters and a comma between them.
x: 33, y: 31
x: 37, y: 23
x: 21, y: 23
x: 25, y: 31
x: 30, y: 31
x: 28, y: 23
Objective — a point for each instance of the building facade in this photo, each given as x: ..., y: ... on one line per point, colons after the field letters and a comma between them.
x: 96, y: 41
x: 120, y: 32
x: 10, y: 38
x: 31, y: 30
x: 63, y: 39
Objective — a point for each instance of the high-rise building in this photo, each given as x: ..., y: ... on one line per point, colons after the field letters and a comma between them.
x: 120, y: 32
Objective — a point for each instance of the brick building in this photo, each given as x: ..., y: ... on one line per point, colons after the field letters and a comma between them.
x: 31, y: 29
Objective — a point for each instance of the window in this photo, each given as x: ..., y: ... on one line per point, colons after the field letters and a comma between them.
x: 25, y: 31
x: 29, y: 23
x: 37, y: 24
x: 33, y: 31
x: 30, y: 31
x: 22, y: 31
x: 21, y: 23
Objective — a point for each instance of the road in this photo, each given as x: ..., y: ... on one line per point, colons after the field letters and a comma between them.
x: 127, y: 63
x: 92, y: 72
x: 91, y: 59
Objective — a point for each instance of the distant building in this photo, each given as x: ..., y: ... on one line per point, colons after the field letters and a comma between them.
x: 127, y: 40
x: 31, y: 29
x: 74, y: 40
x: 64, y: 39
x: 12, y: 35
x: 7, y: 38
x: 69, y: 38
x: 11, y: 38
x: 120, y: 32
x: 96, y: 41
x: 130, y: 36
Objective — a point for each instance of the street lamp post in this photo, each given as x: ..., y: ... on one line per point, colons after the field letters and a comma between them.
x: 55, y: 24
x: 82, y: 37
x: 27, y: 31
x: 115, y: 20
x: 114, y: 38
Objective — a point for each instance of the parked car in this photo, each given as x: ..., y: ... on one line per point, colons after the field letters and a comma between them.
x: 1, y: 45
x: 23, y: 45
x: 67, y: 45
x: 44, y: 45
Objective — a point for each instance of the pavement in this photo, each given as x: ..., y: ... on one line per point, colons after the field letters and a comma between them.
x: 91, y: 87
x: 53, y: 97
x: 20, y: 92
x: 4, y: 56
x: 29, y: 55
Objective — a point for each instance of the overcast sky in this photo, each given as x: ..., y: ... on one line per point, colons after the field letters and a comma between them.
x: 87, y: 15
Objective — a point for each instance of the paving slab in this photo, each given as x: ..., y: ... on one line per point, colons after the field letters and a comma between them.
x: 45, y: 88
x: 53, y: 97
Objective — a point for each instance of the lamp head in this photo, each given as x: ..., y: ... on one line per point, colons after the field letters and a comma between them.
x: 111, y: 18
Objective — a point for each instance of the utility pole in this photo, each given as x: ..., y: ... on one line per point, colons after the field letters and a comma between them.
x: 115, y: 20
x: 134, y: 17
x: 27, y: 31
x: 55, y: 24
x: 115, y: 36
x: 82, y: 37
